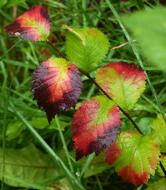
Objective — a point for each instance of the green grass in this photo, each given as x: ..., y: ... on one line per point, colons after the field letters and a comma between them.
x: 18, y: 110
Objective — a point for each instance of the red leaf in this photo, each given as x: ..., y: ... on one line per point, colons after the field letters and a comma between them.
x: 56, y: 86
x: 95, y: 126
x: 32, y: 25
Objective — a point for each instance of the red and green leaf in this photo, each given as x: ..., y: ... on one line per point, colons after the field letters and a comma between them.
x: 95, y: 126
x: 32, y: 25
x: 123, y: 82
x: 56, y: 86
x: 134, y: 157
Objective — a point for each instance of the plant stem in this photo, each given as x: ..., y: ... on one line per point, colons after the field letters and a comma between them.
x: 64, y: 144
x: 119, y: 46
x: 59, y: 53
x: 72, y: 179
x: 121, y: 109
x: 139, y: 60
x: 84, y: 4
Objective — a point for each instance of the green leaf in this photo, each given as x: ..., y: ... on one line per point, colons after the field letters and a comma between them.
x: 159, y: 171
x: 86, y: 47
x: 158, y: 126
x: 15, y: 128
x: 157, y: 185
x: 144, y: 125
x: 134, y: 157
x: 123, y: 82
x: 28, y: 167
x: 149, y: 29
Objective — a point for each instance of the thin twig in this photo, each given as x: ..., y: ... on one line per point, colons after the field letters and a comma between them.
x: 121, y: 109
x: 59, y: 53
x: 119, y: 46
x: 75, y: 33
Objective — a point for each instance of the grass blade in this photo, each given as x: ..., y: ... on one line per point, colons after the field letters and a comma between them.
x: 72, y: 179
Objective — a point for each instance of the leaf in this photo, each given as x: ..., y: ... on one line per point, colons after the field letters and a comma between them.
x: 134, y: 157
x: 16, y: 128
x: 56, y: 86
x: 157, y: 185
x: 61, y: 185
x: 149, y: 29
x: 159, y: 171
x: 32, y: 25
x: 144, y: 124
x: 28, y: 167
x: 86, y: 47
x: 158, y: 126
x: 123, y: 82
x: 95, y: 126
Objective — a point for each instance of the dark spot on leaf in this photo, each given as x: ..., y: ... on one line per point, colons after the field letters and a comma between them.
x: 101, y: 143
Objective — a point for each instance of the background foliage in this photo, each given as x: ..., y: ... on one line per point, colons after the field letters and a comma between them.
x: 24, y: 163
